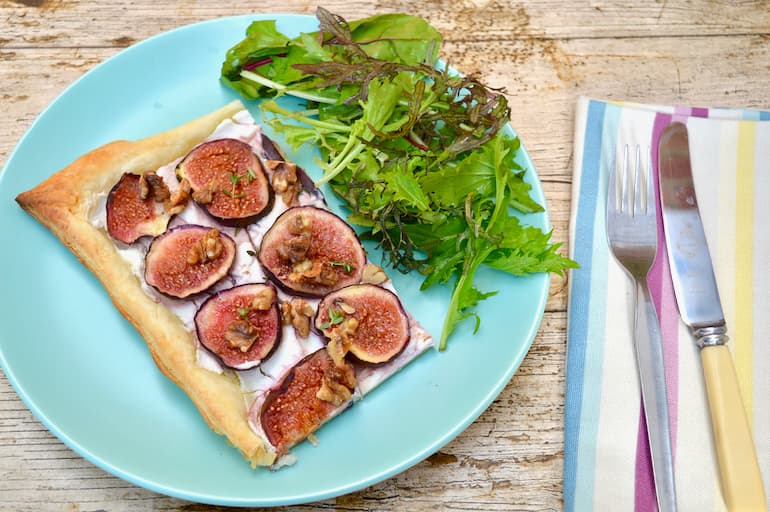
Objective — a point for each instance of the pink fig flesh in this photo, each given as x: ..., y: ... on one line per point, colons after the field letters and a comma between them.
x: 228, y: 181
x: 129, y: 217
x: 381, y: 328
x: 292, y: 410
x: 310, y: 251
x: 176, y: 265
x: 241, y: 325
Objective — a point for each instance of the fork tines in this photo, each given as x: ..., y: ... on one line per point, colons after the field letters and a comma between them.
x: 633, y: 181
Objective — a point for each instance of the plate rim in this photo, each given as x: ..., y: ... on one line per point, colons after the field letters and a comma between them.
x: 372, y: 479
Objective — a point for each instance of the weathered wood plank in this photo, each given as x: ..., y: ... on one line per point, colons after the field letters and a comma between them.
x: 41, y: 23
x: 545, y: 53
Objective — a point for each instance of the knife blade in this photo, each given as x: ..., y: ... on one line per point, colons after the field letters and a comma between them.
x: 700, y: 308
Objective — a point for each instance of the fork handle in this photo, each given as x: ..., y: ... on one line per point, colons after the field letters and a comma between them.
x: 738, y: 467
x: 652, y: 377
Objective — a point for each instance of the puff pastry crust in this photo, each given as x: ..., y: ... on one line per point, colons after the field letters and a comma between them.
x: 63, y: 203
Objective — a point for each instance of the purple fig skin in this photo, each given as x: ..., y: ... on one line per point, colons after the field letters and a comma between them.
x: 129, y: 217
x: 270, y: 150
x: 166, y: 267
x: 383, y: 325
x: 233, y: 204
x: 220, y: 309
x: 333, y: 243
x: 309, y: 185
x: 303, y: 413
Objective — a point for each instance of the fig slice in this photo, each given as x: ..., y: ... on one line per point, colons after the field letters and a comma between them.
x: 310, y: 251
x: 228, y: 181
x: 131, y: 216
x: 188, y: 259
x: 292, y: 410
x: 241, y: 325
x: 366, y: 320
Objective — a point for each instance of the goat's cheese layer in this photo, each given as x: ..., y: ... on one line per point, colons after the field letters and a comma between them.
x: 255, y: 382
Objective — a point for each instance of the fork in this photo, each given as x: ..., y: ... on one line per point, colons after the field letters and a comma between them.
x: 632, y: 235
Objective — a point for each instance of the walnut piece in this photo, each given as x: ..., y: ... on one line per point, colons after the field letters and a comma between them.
x: 313, y: 272
x: 144, y: 188
x: 264, y: 299
x: 204, y: 195
x: 152, y: 185
x: 298, y: 314
x: 206, y: 249
x: 328, y: 276
x: 284, y: 181
x: 373, y: 274
x: 295, y: 249
x: 301, y: 224
x: 241, y: 335
x: 337, y: 384
x: 344, y: 306
x: 178, y: 201
x: 340, y: 339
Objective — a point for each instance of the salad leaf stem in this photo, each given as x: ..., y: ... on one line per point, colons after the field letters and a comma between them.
x: 417, y: 154
x: 254, y: 77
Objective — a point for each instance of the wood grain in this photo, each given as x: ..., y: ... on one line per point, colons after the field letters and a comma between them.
x: 545, y: 53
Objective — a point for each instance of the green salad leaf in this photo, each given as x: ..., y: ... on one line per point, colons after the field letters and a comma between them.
x: 417, y: 153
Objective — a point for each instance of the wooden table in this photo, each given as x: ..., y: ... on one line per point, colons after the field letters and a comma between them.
x: 545, y: 53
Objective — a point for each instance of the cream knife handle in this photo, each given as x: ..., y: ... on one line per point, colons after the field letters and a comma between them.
x: 738, y: 468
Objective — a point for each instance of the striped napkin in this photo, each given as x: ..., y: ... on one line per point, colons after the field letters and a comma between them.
x: 607, y: 464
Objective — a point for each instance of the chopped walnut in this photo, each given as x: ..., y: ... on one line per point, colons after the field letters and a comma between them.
x: 336, y: 384
x: 179, y: 199
x: 144, y: 188
x: 328, y: 276
x: 344, y: 306
x: 333, y: 392
x: 349, y: 326
x: 301, y: 324
x: 297, y: 313
x: 296, y: 248
x: 340, y: 339
x: 313, y: 272
x: 204, y: 195
x: 241, y: 335
x: 285, y: 312
x: 151, y: 185
x: 284, y: 181
x: 206, y: 249
x: 194, y: 256
x: 263, y: 300
x: 301, y: 269
x: 300, y: 224
x: 337, y: 348
x: 373, y: 274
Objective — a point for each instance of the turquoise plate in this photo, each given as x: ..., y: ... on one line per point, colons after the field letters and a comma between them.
x: 87, y: 375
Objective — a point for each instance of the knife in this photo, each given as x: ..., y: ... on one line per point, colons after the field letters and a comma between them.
x: 697, y: 296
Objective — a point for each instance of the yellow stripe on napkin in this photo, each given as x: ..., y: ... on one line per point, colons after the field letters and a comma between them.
x: 744, y: 261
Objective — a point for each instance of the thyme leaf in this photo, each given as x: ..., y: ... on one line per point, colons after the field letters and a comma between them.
x: 336, y: 316
x: 232, y: 194
x: 347, y: 266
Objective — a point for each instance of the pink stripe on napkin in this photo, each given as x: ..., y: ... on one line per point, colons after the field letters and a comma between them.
x: 662, y: 291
